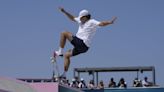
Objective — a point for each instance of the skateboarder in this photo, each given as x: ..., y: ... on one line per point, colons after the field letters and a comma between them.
x: 82, y: 40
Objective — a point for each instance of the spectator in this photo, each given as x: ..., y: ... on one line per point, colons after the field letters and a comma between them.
x: 82, y: 84
x: 67, y: 83
x: 91, y: 84
x: 145, y: 82
x: 137, y: 83
x: 112, y: 83
x: 101, y: 85
x: 63, y: 80
x: 55, y: 78
x: 77, y: 80
x: 74, y: 83
x: 122, y: 83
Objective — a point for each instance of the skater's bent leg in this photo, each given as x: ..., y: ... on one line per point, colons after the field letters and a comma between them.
x: 64, y: 36
x: 67, y: 60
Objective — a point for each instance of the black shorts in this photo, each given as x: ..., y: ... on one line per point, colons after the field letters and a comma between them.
x: 79, y: 46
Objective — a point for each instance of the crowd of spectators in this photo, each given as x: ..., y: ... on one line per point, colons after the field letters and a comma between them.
x: 80, y: 83
x: 142, y: 83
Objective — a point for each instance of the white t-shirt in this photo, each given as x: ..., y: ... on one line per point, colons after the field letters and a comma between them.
x: 145, y: 83
x: 87, y: 30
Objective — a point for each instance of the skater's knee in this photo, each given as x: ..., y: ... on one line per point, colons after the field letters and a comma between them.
x: 65, y: 33
x: 68, y: 54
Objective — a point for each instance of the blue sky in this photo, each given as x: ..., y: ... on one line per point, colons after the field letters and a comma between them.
x: 30, y: 31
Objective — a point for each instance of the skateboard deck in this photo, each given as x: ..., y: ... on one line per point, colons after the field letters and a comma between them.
x: 56, y: 72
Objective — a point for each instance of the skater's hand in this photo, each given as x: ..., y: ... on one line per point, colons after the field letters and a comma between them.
x: 69, y: 15
x: 108, y: 22
x: 113, y: 19
x: 61, y: 9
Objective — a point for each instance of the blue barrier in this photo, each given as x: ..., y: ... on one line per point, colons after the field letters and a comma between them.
x: 63, y: 88
x: 126, y: 90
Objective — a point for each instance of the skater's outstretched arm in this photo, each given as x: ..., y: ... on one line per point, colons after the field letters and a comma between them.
x: 70, y: 16
x: 105, y: 23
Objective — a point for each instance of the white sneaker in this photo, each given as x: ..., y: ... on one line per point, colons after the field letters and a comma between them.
x: 58, y: 53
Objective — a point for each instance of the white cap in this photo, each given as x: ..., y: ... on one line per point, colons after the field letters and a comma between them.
x: 83, y: 13
x: 73, y: 79
x: 81, y: 79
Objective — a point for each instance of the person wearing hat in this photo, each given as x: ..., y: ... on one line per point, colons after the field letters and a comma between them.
x: 82, y: 40
x: 82, y: 84
x: 74, y: 83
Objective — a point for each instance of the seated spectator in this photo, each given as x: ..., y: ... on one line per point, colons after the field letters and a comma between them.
x: 145, y: 82
x: 122, y: 83
x: 101, y: 85
x: 82, y: 84
x: 63, y: 80
x: 67, y: 83
x: 55, y: 78
x: 137, y: 83
x: 74, y: 83
x: 91, y: 85
x: 77, y: 79
x: 112, y: 83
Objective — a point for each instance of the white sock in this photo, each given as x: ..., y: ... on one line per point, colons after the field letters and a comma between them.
x: 60, y: 49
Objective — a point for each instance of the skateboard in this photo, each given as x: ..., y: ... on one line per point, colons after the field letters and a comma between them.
x: 56, y: 72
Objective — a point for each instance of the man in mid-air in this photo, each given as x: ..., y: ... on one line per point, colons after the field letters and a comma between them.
x: 82, y: 40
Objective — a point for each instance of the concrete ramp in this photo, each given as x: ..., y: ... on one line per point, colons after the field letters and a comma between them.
x: 12, y: 85
x: 45, y: 87
x: 53, y: 87
x: 3, y: 90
